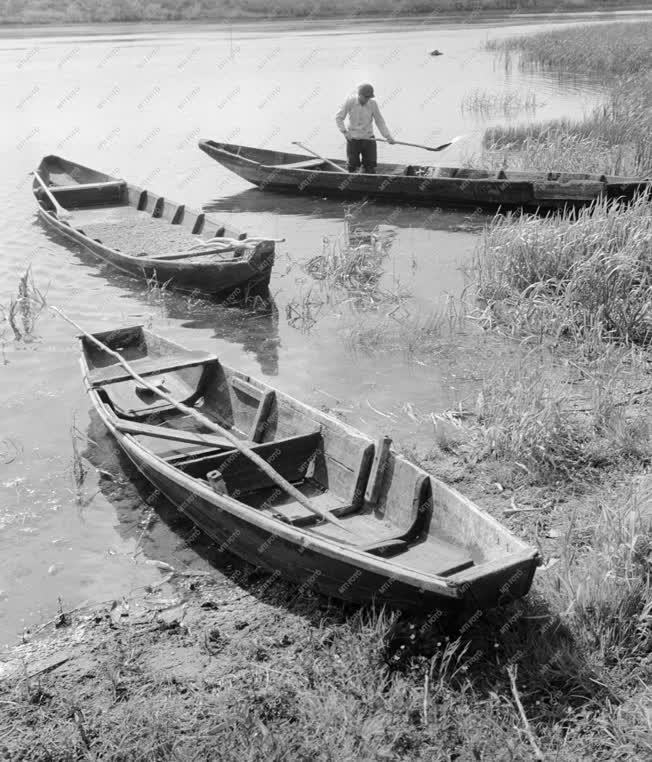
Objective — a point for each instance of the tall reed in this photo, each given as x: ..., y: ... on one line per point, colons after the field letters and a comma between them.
x: 575, y: 273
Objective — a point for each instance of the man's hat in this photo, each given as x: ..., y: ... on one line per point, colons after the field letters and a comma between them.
x: 367, y: 90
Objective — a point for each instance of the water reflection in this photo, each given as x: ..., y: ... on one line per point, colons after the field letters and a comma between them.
x: 372, y: 214
x: 248, y: 319
x: 254, y: 324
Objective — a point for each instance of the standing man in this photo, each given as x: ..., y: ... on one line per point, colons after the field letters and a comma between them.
x: 362, y: 109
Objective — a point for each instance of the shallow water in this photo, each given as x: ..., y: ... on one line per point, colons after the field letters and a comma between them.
x: 132, y: 101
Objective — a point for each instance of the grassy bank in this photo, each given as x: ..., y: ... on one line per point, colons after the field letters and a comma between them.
x: 259, y: 669
x: 78, y: 11
x: 615, y: 137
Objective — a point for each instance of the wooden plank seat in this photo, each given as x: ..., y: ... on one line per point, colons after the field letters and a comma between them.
x: 108, y: 185
x: 305, y: 164
x: 148, y: 366
x: 378, y: 534
x: 281, y: 506
x: 176, y: 435
x: 436, y: 556
x: 290, y: 457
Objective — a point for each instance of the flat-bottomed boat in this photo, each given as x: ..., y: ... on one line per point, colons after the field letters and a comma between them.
x: 149, y: 236
x: 421, y: 185
x: 395, y: 534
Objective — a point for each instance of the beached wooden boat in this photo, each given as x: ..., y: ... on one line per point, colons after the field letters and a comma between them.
x: 413, y: 184
x: 147, y: 235
x: 394, y: 533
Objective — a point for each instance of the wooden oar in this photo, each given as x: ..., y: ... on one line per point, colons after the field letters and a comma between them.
x: 62, y: 214
x: 328, y: 161
x: 425, y: 148
x: 237, y: 443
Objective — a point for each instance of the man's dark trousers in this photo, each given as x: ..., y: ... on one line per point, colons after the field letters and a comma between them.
x: 366, y: 150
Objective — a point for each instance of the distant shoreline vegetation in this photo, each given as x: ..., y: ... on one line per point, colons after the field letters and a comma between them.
x: 99, y: 11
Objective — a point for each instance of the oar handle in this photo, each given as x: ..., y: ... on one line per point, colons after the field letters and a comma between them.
x: 238, y: 445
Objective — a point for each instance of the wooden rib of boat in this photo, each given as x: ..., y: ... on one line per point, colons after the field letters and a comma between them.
x: 430, y: 186
x: 402, y: 537
x: 147, y: 235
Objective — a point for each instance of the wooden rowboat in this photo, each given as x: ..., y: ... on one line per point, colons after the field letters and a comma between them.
x: 146, y: 235
x: 412, y: 184
x: 395, y: 534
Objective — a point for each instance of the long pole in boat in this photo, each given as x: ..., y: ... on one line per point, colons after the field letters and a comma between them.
x: 264, y: 466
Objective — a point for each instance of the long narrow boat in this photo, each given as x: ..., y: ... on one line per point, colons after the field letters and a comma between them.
x: 395, y: 534
x: 425, y: 185
x: 147, y: 235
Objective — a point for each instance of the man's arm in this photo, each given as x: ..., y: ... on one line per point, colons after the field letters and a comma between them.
x: 380, y: 123
x: 341, y: 115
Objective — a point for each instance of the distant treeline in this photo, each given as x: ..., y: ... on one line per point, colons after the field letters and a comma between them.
x: 79, y: 11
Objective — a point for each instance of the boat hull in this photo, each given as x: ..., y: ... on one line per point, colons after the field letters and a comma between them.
x: 313, y: 558
x: 213, y: 280
x: 475, y: 188
x: 311, y: 569
x: 146, y: 235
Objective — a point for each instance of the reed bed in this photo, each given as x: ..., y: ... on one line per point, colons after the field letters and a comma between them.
x: 615, y: 137
x: 572, y: 275
x: 598, y: 50
x: 509, y: 103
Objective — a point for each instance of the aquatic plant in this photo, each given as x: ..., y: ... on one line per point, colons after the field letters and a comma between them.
x: 352, y: 263
x: 412, y: 333
x: 303, y: 311
x: 485, y: 103
x: 155, y: 291
x: 25, y: 308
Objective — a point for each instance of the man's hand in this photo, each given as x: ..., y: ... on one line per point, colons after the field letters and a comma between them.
x: 391, y: 140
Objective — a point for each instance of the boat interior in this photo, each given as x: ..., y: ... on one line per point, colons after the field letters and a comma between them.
x: 128, y: 219
x: 385, y: 505
x: 281, y: 160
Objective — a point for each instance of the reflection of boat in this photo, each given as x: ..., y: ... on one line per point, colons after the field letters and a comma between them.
x: 371, y: 215
x: 301, y: 173
x: 146, y: 235
x: 394, y: 533
x: 253, y: 325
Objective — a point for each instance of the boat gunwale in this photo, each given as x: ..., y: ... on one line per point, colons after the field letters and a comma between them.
x: 446, y: 586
